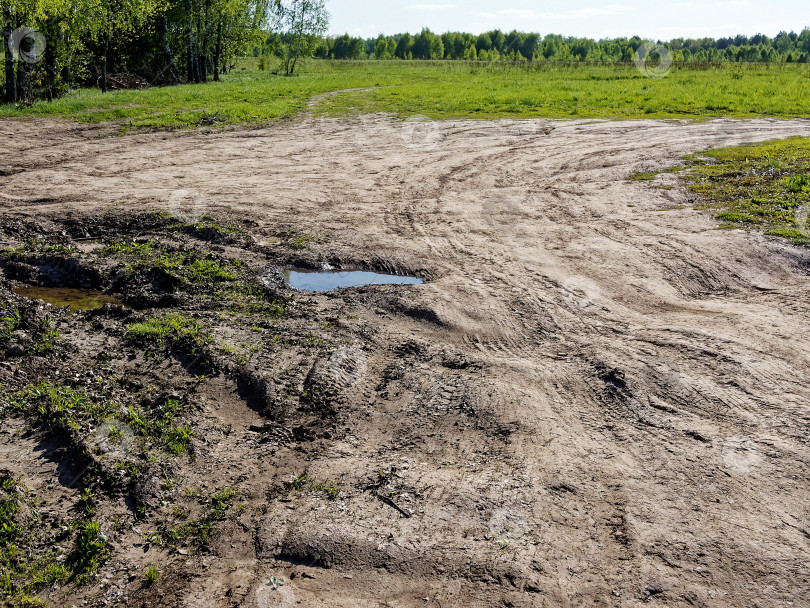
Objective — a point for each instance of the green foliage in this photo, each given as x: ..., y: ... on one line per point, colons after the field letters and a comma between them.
x: 54, y: 403
x: 132, y: 35
x: 51, y: 403
x: 221, y: 281
x: 42, y: 333
x: 10, y: 321
x: 305, y: 483
x: 199, y: 531
x: 797, y: 183
x: 303, y: 22
x: 295, y: 239
x: 89, y: 550
x: 173, y: 329
x: 764, y: 185
x: 186, y: 267
x: 30, y: 559
x: 9, y: 507
x: 152, y: 574
x: 221, y: 502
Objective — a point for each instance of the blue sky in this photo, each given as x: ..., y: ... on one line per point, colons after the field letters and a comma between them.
x: 648, y: 19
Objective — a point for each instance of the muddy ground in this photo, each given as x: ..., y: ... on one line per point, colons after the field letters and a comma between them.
x: 596, y: 399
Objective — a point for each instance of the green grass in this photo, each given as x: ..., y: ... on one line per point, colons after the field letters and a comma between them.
x: 30, y: 559
x: 764, y: 186
x: 443, y: 89
x: 187, y: 268
x: 223, y: 283
x: 305, y: 483
x: 76, y: 411
x: 152, y: 574
x: 43, y: 335
x: 173, y: 329
x: 200, y: 531
x: 296, y: 239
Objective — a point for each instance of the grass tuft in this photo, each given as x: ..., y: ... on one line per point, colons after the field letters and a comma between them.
x: 173, y: 329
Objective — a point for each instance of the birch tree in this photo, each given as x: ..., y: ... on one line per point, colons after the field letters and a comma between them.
x: 304, y: 22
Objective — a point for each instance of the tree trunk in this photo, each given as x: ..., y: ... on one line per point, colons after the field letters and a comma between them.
x: 295, y: 57
x: 298, y: 46
x: 104, y: 64
x: 204, y: 47
x: 66, y: 75
x: 11, y: 81
x: 167, y: 50
x: 218, y: 50
x: 193, y: 73
x: 22, y: 81
x: 51, y: 66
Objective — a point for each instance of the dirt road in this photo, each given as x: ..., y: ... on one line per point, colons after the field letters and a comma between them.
x: 602, y: 401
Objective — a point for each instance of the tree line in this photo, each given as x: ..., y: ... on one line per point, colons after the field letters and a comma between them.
x: 52, y: 45
x: 519, y: 46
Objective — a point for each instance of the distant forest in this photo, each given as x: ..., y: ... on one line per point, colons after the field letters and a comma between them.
x: 786, y: 47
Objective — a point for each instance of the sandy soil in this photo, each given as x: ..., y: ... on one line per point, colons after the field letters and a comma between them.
x: 642, y: 377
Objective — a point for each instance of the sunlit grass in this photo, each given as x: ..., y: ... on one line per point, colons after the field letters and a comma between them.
x: 764, y: 186
x: 443, y: 89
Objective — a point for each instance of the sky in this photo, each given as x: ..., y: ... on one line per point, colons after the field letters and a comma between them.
x: 650, y: 19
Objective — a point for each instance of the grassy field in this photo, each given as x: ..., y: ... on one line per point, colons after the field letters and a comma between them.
x: 445, y: 90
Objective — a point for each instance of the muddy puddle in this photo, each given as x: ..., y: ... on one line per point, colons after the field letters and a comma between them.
x: 329, y: 280
x: 76, y: 299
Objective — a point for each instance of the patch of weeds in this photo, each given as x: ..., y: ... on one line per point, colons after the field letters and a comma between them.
x: 30, y: 555
x: 159, y: 424
x: 76, y: 411
x: 87, y: 502
x: 200, y: 531
x: 42, y: 338
x: 763, y: 185
x: 799, y: 237
x: 296, y: 239
x: 305, y: 483
x: 59, y: 404
x: 228, y: 284
x: 208, y: 228
x: 10, y: 321
x: 45, y: 336
x: 797, y: 183
x: 191, y: 270
x: 173, y: 329
x: 33, y: 247
x: 89, y: 550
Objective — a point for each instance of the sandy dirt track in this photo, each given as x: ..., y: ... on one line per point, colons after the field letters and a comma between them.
x: 646, y: 375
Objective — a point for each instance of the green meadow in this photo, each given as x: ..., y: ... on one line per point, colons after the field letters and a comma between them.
x: 445, y: 89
